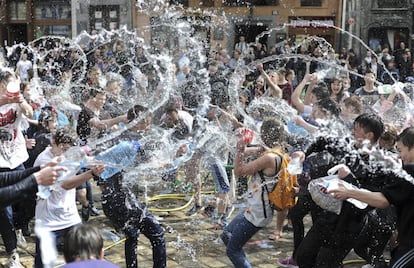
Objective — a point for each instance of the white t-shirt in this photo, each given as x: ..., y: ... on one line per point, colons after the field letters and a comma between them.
x: 255, y: 210
x: 13, y: 151
x: 24, y: 66
x: 59, y: 211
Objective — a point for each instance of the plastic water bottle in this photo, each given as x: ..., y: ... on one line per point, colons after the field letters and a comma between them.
x: 171, y: 173
x: 295, y: 167
x: 122, y: 154
x: 185, y: 157
x: 74, y: 160
x: 108, y: 235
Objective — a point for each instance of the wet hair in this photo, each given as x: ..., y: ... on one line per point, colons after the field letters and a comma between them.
x: 5, y: 75
x: 329, y: 105
x: 65, y: 135
x: 136, y: 112
x: 83, y: 242
x: 93, y: 91
x: 369, y: 71
x: 170, y: 109
x: 370, y: 122
x: 390, y: 134
x: 341, y: 91
x: 406, y: 137
x: 321, y: 91
x: 272, y: 132
x: 47, y: 114
x: 355, y: 102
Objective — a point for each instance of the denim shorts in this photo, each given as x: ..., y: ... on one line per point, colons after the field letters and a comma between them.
x: 221, y: 180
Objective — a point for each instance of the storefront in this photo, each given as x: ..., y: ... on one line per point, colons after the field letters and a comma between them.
x: 95, y: 15
x: 25, y: 20
x: 379, y: 37
x: 301, y: 27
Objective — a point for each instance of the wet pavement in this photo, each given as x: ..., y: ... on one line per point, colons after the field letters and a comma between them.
x: 191, y: 242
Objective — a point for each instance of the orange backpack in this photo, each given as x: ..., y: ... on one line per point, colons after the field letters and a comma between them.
x: 283, y: 195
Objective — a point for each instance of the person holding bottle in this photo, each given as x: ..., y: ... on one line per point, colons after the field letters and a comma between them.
x: 94, y: 122
x: 259, y: 212
x: 134, y: 218
x: 58, y: 213
x: 400, y: 194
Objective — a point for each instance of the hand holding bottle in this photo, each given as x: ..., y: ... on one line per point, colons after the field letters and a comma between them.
x: 48, y: 175
x: 96, y: 169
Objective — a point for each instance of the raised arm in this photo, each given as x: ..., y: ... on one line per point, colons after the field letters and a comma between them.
x: 275, y: 89
x: 296, y: 100
x: 266, y: 161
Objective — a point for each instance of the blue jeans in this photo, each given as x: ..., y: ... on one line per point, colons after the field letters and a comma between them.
x: 235, y: 236
x: 7, y: 230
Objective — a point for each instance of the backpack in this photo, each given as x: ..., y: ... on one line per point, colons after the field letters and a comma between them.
x: 283, y: 194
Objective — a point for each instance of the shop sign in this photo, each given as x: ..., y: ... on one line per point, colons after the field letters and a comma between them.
x: 311, y: 23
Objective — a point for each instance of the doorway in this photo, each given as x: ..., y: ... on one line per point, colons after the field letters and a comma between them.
x: 16, y: 33
x: 250, y: 32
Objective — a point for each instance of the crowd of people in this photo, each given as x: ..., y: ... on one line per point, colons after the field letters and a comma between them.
x: 350, y: 110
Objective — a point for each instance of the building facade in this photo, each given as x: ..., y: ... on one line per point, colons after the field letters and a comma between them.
x: 281, y: 18
x: 384, y: 23
x: 25, y: 20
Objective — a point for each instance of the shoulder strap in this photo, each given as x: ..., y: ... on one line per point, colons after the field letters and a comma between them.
x: 278, y: 162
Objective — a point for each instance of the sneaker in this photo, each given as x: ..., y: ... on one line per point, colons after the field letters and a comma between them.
x: 93, y: 211
x: 288, y: 262
x: 21, y: 241
x: 85, y: 213
x: 209, y: 211
x: 14, y: 261
x: 222, y: 221
x: 193, y: 210
x: 367, y: 266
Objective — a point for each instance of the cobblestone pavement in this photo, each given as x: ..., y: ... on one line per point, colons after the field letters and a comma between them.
x: 191, y: 242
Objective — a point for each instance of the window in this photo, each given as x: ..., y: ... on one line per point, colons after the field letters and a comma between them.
x: 311, y: 3
x: 17, y: 10
x: 104, y: 17
x: 55, y: 10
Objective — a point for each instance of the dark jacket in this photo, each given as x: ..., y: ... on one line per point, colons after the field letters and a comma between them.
x: 14, y: 185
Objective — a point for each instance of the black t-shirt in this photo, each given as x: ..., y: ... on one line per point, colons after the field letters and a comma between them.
x: 401, y: 195
x: 84, y: 129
